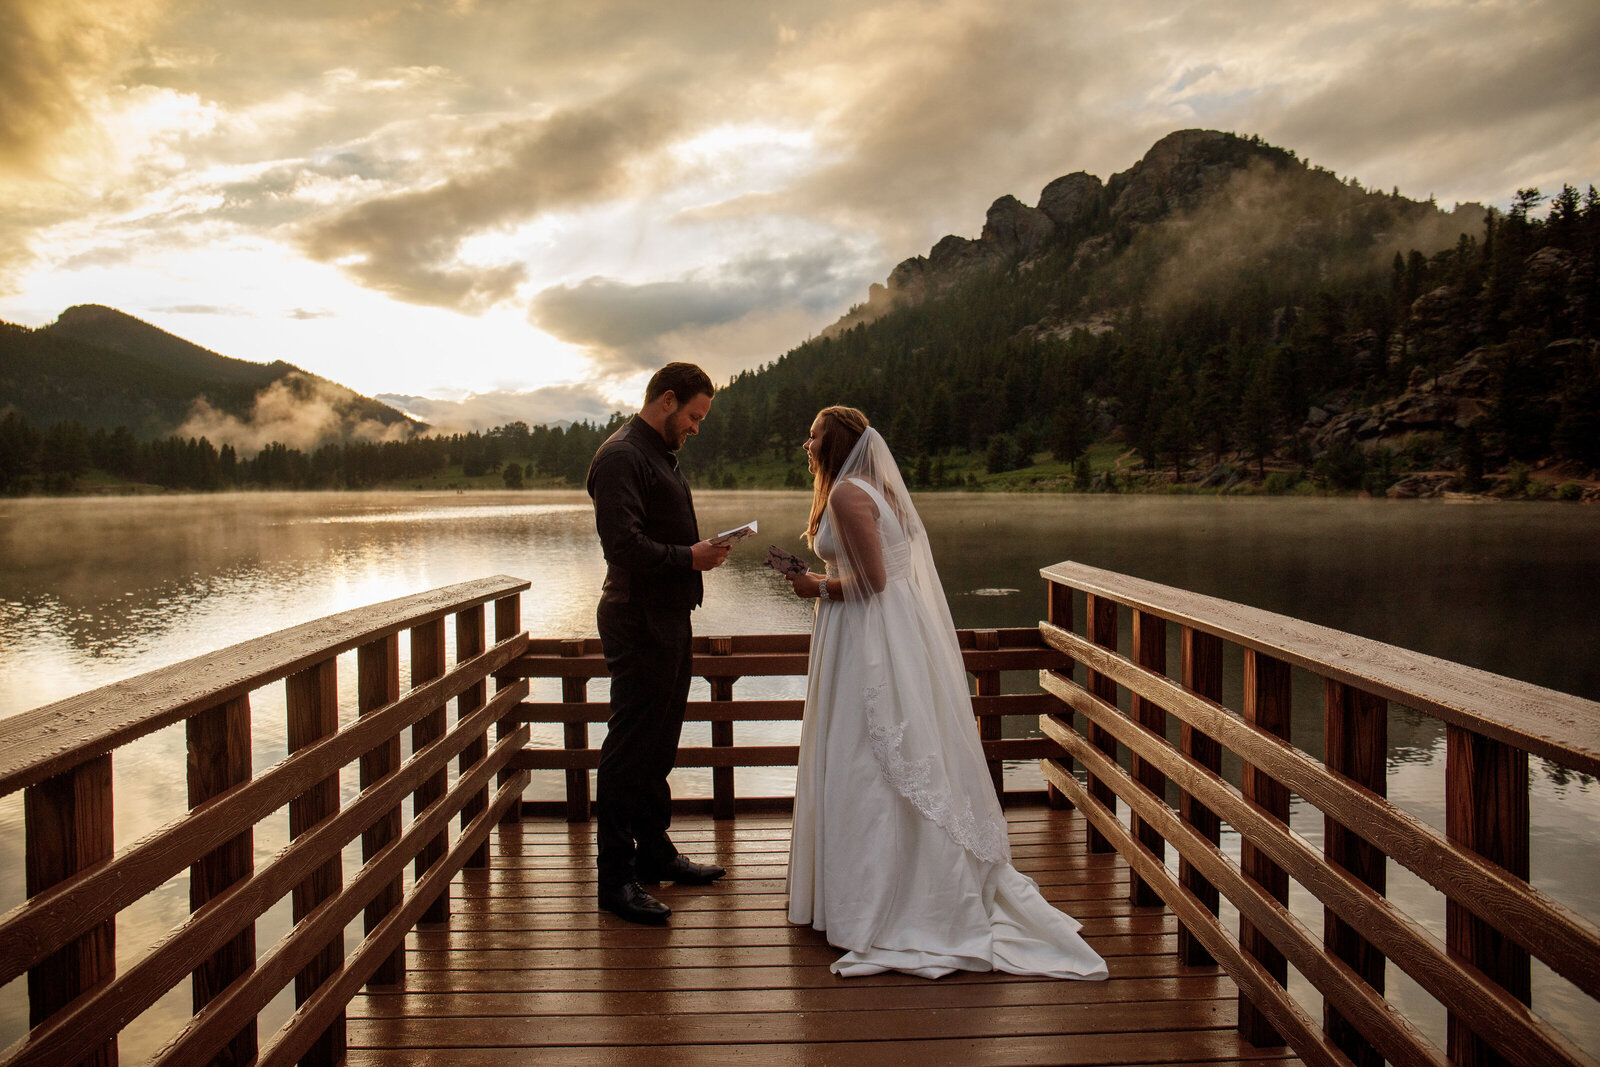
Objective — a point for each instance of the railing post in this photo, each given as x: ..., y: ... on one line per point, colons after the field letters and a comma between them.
x: 427, y: 663
x: 68, y: 828
x: 722, y: 802
x: 1266, y: 706
x: 1486, y: 810
x: 470, y: 643
x: 219, y: 759
x: 1202, y: 675
x: 1058, y: 611
x: 990, y: 726
x: 507, y: 624
x: 575, y: 737
x: 313, y: 708
x: 1102, y: 615
x: 1356, y: 745
x: 377, y: 686
x: 1150, y: 652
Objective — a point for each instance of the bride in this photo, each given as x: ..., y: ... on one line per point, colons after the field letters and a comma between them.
x: 899, y: 852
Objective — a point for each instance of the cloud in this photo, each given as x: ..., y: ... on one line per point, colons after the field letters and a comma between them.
x: 54, y: 56
x: 1463, y: 100
x: 470, y: 155
x: 199, y: 309
x: 482, y: 411
x: 724, y: 349
x: 409, y: 244
x: 625, y: 326
x: 297, y: 411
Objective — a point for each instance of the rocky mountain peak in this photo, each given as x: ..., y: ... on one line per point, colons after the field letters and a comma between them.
x: 1177, y: 172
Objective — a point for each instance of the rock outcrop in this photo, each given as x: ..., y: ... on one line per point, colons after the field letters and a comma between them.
x: 1451, y: 401
x: 1070, y: 200
x: 1176, y: 173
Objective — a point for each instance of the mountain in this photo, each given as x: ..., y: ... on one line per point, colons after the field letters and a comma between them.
x: 108, y: 328
x: 103, y: 368
x: 1221, y: 305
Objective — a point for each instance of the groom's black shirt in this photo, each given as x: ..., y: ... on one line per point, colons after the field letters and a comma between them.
x: 644, y: 513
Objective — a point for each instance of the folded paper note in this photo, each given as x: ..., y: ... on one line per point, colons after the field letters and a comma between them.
x: 735, y: 535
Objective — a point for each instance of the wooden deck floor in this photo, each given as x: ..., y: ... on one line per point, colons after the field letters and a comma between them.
x: 528, y: 971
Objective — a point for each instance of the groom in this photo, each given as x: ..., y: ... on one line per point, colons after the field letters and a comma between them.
x: 654, y: 555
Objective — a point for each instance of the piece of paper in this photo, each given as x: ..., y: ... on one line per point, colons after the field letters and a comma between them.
x: 785, y: 562
x: 737, y: 534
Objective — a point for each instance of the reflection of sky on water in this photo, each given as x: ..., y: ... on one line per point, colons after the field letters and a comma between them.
x: 453, y: 515
x: 96, y: 590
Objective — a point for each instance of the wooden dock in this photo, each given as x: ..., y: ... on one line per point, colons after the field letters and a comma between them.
x: 492, y: 950
x: 527, y: 970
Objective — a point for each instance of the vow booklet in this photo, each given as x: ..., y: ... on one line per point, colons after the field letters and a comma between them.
x: 785, y: 562
x: 735, y: 535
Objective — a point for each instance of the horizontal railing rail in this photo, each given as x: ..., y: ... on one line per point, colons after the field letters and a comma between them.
x: 722, y: 661
x: 63, y: 936
x: 1496, y: 920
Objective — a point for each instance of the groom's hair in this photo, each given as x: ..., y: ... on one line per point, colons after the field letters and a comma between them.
x: 685, y: 380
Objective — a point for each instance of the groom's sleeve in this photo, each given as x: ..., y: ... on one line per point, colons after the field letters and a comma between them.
x: 619, y: 518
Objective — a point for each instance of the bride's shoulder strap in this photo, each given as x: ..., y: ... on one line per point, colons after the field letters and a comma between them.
x: 871, y: 490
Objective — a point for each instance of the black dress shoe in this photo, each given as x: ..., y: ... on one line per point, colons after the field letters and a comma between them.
x: 680, y: 869
x: 633, y: 904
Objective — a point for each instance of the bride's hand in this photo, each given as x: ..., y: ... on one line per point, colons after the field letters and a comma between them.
x: 804, y: 584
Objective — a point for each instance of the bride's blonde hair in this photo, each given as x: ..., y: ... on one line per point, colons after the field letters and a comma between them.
x: 841, y: 428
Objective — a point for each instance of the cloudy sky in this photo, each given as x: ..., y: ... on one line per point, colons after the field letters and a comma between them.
x: 549, y: 197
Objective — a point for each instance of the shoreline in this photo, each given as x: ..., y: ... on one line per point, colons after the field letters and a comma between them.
x: 1589, y: 492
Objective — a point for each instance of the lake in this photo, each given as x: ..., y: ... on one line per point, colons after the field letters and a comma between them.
x: 94, y: 590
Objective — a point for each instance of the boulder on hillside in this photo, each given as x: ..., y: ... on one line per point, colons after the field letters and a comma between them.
x: 1012, y: 228
x: 1069, y: 200
x: 1446, y: 402
x: 1420, y: 486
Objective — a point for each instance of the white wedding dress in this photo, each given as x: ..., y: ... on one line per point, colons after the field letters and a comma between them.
x: 899, y: 851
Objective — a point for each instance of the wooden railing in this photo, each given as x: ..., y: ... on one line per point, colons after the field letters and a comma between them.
x: 722, y: 661
x: 1496, y: 920
x: 64, y: 935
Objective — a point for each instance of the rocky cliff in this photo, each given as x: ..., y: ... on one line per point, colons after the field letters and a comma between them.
x: 1178, y: 172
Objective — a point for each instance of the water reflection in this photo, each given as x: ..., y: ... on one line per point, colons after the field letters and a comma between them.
x: 96, y: 590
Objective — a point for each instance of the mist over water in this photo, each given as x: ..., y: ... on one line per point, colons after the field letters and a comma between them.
x: 92, y: 591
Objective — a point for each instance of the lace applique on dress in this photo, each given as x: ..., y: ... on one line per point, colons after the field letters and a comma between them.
x: 913, y: 779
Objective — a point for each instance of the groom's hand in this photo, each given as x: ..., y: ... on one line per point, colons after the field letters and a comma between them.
x: 708, y: 554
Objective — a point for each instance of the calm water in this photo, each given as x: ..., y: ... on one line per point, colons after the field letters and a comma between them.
x: 96, y: 590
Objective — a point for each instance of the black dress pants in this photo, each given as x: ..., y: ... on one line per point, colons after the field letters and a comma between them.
x: 647, y: 651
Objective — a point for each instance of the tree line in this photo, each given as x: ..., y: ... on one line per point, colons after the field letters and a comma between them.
x: 55, y: 458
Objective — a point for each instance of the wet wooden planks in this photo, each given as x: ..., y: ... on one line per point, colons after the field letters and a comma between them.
x: 528, y: 968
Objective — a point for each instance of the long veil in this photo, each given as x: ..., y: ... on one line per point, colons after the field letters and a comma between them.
x: 918, y: 706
